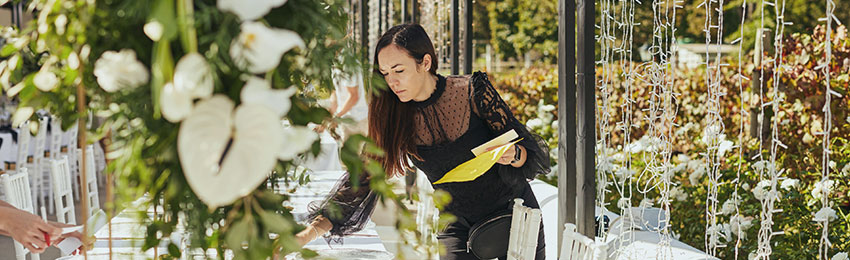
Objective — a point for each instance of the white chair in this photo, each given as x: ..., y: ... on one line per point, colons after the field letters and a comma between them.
x: 55, y: 138
x: 91, y: 179
x: 525, y: 227
x: 70, y: 144
x: 39, y: 166
x: 17, y: 188
x: 63, y: 191
x: 576, y: 246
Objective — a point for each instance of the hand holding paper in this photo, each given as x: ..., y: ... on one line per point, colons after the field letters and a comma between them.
x: 472, y: 169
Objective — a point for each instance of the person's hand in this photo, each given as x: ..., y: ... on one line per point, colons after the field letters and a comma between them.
x: 58, y: 239
x: 508, y: 156
x: 27, y: 229
x: 304, y: 237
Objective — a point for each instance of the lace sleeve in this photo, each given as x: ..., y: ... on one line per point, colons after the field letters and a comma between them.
x: 489, y: 106
x: 347, y: 207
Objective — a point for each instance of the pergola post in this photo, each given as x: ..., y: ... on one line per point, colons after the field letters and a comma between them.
x: 455, y: 27
x: 566, y: 116
x: 467, y: 36
x: 364, y: 28
x: 586, y: 120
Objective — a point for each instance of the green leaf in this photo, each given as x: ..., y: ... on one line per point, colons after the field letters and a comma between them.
x: 173, y: 250
x: 163, y: 12
x: 7, y: 50
x: 275, y: 222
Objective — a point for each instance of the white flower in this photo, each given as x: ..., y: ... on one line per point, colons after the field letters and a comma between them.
x: 192, y: 79
x: 846, y: 170
x: 724, y: 146
x: 21, y: 115
x: 60, y: 23
x: 249, y: 10
x: 535, y: 123
x: 193, y: 75
x: 680, y: 167
x: 745, y: 186
x: 712, y: 135
x: 825, y: 214
x: 258, y: 48
x: 789, y: 184
x: 73, y: 60
x: 683, y: 158
x: 840, y: 256
x: 740, y: 224
x: 832, y: 164
x: 257, y: 90
x: 728, y: 207
x: 220, y: 173
x: 808, y: 139
x: 119, y: 70
x: 555, y: 125
x: 752, y: 256
x: 547, y: 108
x: 175, y: 104
x: 695, y: 176
x: 153, y: 30
x: 297, y: 139
x: 760, y: 191
x: 45, y: 80
x: 677, y: 194
x: 822, y: 188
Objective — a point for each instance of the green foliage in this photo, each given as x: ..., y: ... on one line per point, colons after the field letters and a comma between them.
x: 520, y: 26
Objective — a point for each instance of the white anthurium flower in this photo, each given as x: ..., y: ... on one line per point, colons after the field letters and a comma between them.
x: 193, y: 75
x: 216, y: 173
x: 45, y: 80
x: 119, y: 70
x: 249, y: 10
x: 21, y: 115
x: 825, y: 214
x: 258, y: 48
x: 259, y: 91
x: 297, y: 139
x: 175, y: 104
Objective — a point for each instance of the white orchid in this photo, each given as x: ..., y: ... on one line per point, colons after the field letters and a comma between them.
x: 45, y: 80
x: 249, y: 10
x: 120, y: 70
x: 258, y: 48
x: 825, y: 214
x: 216, y: 173
x: 257, y: 90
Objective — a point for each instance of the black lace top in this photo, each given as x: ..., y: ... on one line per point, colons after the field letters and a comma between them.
x: 462, y: 113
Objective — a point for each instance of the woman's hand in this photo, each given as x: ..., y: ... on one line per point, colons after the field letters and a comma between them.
x: 508, y: 157
x: 28, y: 229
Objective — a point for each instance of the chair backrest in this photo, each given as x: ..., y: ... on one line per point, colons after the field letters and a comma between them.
x: 576, y: 246
x: 525, y: 227
x: 40, y: 141
x: 63, y: 192
x: 17, y: 188
x: 91, y: 178
x: 24, y: 138
x: 55, y: 138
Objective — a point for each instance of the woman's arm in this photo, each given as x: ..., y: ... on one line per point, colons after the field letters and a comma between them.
x: 314, y: 230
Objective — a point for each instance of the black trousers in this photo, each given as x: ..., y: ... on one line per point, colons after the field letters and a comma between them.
x: 456, y: 234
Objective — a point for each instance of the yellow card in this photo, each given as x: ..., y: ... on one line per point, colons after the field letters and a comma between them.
x: 475, y: 167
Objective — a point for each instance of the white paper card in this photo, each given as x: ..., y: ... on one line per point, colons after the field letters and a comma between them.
x: 73, y: 229
x: 500, y: 140
x: 69, y: 245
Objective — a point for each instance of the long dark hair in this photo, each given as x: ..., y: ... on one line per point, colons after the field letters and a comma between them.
x: 391, y: 122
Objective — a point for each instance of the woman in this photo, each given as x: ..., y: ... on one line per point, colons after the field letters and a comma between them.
x: 448, y: 117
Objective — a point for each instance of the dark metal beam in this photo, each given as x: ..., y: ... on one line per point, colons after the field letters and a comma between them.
x: 414, y: 13
x: 364, y: 29
x: 404, y: 15
x: 586, y: 119
x: 566, y: 115
x: 455, y: 53
x: 467, y: 37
